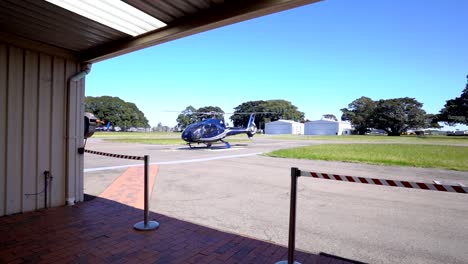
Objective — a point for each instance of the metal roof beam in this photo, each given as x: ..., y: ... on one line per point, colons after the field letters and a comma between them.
x: 228, y: 13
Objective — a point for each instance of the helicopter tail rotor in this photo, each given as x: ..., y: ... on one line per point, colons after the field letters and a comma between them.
x: 251, y: 127
x: 252, y: 130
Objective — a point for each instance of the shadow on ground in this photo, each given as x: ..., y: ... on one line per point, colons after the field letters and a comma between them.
x: 101, y: 231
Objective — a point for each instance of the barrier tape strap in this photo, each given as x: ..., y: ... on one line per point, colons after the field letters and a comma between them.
x: 114, y: 155
x: 391, y: 183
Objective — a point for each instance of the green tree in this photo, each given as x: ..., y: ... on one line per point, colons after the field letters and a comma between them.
x: 161, y: 128
x: 267, y: 111
x: 432, y: 121
x: 360, y: 113
x: 191, y: 115
x: 398, y: 115
x: 330, y: 116
x: 186, y: 118
x: 210, y: 112
x: 240, y: 118
x: 455, y: 110
x: 282, y: 109
x: 115, y: 110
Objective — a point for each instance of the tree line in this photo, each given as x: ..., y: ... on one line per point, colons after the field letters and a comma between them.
x: 266, y: 111
x: 394, y: 116
x: 116, y: 111
x: 455, y: 111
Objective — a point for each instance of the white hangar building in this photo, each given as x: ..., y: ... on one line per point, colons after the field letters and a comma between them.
x: 284, y: 127
x: 327, y: 127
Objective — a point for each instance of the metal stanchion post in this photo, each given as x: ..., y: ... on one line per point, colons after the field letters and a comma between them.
x: 146, y: 225
x: 295, y: 173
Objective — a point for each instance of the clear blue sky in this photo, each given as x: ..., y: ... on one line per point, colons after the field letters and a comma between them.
x: 319, y: 57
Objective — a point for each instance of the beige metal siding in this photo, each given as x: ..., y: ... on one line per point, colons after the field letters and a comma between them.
x: 3, y: 104
x: 29, y: 162
x: 44, y: 123
x: 33, y: 129
x: 14, y: 130
x: 57, y: 154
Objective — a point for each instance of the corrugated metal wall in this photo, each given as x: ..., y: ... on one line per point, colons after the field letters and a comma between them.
x: 33, y: 130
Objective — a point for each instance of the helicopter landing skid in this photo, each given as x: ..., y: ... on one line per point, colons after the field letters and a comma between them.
x: 226, y: 143
x: 208, y: 145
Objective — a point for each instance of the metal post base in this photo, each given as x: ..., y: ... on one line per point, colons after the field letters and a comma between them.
x: 286, y: 262
x: 140, y: 226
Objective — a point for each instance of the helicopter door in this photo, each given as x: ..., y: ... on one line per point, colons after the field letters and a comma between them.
x: 209, y: 130
x: 219, y: 129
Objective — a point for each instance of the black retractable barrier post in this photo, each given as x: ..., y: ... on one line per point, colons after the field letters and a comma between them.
x: 295, y: 173
x: 146, y: 225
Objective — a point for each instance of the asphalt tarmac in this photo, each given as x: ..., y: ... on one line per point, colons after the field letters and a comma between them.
x: 241, y: 191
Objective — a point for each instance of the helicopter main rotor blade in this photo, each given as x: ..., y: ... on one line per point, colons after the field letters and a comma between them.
x: 219, y: 113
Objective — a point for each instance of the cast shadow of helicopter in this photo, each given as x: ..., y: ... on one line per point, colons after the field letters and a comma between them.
x: 214, y: 147
x: 212, y: 130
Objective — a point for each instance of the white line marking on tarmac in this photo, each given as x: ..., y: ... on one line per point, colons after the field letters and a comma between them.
x: 173, y: 162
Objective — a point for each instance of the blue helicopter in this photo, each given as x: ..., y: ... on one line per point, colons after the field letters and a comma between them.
x: 213, y: 130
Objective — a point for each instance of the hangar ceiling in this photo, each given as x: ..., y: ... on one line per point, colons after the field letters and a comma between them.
x: 39, y: 22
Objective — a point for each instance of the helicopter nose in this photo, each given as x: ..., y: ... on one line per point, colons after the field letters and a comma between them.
x: 185, y: 135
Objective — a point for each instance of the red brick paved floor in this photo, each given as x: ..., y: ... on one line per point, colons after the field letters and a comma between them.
x: 101, y: 231
x: 128, y: 187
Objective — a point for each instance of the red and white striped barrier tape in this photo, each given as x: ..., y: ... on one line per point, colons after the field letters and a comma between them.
x: 114, y: 155
x: 391, y: 183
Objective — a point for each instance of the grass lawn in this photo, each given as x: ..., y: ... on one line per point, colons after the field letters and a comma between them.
x: 117, y: 135
x: 445, y: 140
x: 153, y: 138
x: 142, y: 138
x: 429, y: 151
x: 427, y: 156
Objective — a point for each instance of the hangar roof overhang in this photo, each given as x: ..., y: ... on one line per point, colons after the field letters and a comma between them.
x: 37, y: 22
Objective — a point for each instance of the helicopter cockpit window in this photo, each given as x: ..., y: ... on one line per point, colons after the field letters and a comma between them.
x: 209, y: 129
x: 194, y: 131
